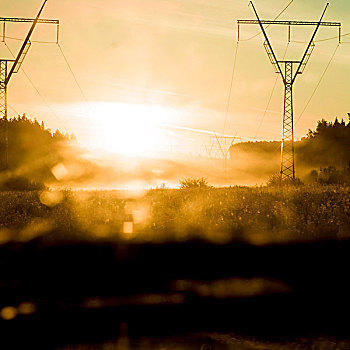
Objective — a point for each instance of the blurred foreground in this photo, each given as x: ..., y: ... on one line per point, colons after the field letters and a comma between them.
x: 53, y: 295
x: 206, y: 268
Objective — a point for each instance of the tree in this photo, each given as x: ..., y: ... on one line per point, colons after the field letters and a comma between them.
x: 32, y: 151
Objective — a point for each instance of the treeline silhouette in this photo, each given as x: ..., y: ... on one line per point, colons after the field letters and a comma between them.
x: 33, y: 150
x: 322, y: 156
x: 328, y: 150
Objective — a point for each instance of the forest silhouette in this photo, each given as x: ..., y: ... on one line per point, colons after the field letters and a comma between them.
x: 322, y: 156
x: 32, y: 152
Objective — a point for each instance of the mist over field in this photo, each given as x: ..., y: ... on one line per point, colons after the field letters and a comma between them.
x: 321, y: 156
x: 118, y: 172
x: 57, y: 160
x: 53, y: 159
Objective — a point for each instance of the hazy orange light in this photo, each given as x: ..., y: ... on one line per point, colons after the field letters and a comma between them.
x: 128, y: 129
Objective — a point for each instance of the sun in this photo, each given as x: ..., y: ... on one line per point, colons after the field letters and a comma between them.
x: 128, y: 129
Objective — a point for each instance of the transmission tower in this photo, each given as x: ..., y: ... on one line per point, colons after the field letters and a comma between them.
x: 220, y: 145
x: 8, y: 67
x: 289, y: 70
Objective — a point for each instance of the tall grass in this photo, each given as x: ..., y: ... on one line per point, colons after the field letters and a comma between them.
x: 256, y: 214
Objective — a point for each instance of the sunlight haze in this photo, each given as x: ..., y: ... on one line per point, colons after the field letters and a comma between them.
x: 143, y: 64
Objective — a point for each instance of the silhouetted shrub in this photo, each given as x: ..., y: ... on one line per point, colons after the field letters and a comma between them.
x: 330, y: 175
x: 194, y: 183
x: 276, y: 180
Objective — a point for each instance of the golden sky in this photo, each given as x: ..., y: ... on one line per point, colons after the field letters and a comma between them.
x: 150, y: 68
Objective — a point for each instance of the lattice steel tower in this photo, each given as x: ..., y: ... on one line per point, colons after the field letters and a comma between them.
x: 8, y: 67
x: 288, y: 70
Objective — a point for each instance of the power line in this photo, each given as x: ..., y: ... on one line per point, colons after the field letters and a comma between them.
x: 68, y: 65
x: 13, y: 110
x: 71, y: 70
x: 257, y: 34
x: 318, y: 83
x: 322, y: 40
x: 38, y: 92
x: 230, y: 90
x: 64, y: 56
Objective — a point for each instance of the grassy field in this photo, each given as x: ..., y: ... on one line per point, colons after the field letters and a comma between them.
x: 255, y: 214
x: 218, y: 215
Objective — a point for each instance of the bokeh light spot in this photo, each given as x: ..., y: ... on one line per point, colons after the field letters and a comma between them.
x: 59, y: 171
x: 26, y: 308
x: 128, y: 228
x: 8, y: 313
x: 51, y: 198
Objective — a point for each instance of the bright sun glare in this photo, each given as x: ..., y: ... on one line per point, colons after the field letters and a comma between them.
x: 128, y: 129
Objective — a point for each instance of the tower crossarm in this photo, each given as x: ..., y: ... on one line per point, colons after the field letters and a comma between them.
x: 289, y: 23
x: 14, y: 19
x: 25, y: 46
x: 5, y: 20
x: 306, y: 56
